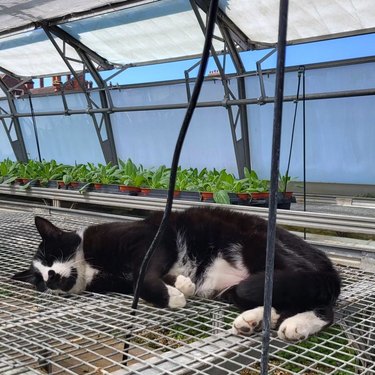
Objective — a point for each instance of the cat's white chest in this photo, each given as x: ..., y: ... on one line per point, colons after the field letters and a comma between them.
x: 85, y: 273
x: 219, y: 276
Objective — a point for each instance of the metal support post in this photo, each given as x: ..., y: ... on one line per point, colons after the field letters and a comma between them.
x: 108, y: 145
x: 244, y: 147
x: 16, y: 139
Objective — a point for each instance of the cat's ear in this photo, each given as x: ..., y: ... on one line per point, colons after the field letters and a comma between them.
x: 26, y: 276
x: 46, y: 229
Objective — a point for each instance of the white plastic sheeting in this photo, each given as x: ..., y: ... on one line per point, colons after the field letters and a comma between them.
x: 149, y: 137
x: 151, y: 31
x: 157, y: 31
x: 32, y: 53
x: 60, y: 137
x: 307, y: 19
x: 340, y: 133
x: 20, y: 13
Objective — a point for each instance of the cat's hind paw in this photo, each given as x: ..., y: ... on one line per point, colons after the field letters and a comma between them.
x: 300, y: 326
x: 176, y: 298
x: 250, y: 321
x: 185, y: 285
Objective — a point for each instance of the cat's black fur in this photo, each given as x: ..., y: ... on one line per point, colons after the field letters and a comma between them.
x: 304, y: 278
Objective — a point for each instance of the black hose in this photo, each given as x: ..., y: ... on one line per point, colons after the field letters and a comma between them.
x: 184, y: 127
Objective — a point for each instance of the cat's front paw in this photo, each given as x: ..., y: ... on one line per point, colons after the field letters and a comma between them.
x: 176, y: 298
x: 250, y: 321
x: 300, y: 326
x: 185, y: 285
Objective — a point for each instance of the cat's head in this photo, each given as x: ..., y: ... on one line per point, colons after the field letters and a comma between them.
x: 54, y: 266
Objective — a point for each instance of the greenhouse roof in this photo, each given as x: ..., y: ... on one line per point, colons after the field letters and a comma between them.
x: 126, y: 33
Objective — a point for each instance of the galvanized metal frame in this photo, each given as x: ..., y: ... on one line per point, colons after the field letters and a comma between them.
x: 107, y: 142
x: 240, y: 138
x: 17, y: 142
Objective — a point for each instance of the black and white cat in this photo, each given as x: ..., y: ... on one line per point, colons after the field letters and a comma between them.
x: 206, y: 252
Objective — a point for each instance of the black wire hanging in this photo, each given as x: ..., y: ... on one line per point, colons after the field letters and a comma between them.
x: 184, y: 127
x: 293, y: 127
x: 35, y: 129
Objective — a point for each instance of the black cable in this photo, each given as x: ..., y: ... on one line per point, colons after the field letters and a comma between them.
x: 184, y: 127
x: 293, y: 128
x: 35, y: 129
x: 304, y: 142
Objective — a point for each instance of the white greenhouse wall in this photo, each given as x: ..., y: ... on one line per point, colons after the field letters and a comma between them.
x: 340, y: 133
x: 149, y: 137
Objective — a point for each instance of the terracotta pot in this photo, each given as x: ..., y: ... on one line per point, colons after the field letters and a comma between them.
x: 206, y: 195
x: 260, y: 196
x: 243, y: 196
x: 131, y: 190
x: 74, y: 185
x: 145, y: 191
x: 176, y: 193
x: 60, y: 184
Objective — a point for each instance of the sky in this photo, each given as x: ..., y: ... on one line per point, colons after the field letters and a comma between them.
x: 315, y: 52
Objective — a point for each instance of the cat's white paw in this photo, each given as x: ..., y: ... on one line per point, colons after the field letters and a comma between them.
x: 185, y: 285
x: 250, y: 321
x: 300, y: 326
x: 176, y: 298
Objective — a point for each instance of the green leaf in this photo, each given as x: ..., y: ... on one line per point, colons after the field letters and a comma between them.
x: 222, y: 197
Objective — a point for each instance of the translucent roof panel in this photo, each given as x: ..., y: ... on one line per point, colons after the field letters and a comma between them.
x: 307, y: 19
x: 158, y: 31
x: 32, y: 53
x: 21, y: 13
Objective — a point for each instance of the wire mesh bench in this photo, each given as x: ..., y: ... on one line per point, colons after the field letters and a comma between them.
x: 98, y: 334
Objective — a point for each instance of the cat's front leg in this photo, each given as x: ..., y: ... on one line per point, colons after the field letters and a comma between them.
x: 160, y: 294
x: 182, y: 283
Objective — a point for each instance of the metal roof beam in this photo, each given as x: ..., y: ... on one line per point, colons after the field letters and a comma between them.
x: 76, y: 44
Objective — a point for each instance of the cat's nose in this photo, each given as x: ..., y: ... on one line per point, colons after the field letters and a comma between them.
x: 53, y: 280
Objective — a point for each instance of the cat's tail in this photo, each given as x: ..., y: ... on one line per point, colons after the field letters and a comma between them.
x: 299, y: 291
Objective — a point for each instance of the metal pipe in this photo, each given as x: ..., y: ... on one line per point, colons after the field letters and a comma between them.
x: 218, y: 103
x: 275, y: 160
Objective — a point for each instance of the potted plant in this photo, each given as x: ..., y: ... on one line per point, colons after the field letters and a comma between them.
x: 28, y: 174
x: 285, y: 197
x: 49, y: 172
x: 130, y: 177
x: 103, y: 175
x: 212, y: 187
x: 8, y: 171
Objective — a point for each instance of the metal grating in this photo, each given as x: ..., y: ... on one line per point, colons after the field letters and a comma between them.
x: 98, y: 334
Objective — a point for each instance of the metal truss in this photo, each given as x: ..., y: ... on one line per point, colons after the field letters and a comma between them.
x: 240, y: 134
x: 105, y: 135
x: 12, y: 126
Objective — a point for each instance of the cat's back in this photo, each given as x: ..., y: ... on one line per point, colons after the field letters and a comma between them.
x: 220, y: 219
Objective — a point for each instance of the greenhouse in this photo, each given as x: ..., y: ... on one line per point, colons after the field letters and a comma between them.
x: 83, y: 144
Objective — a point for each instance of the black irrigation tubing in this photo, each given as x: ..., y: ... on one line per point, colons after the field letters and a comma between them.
x: 35, y: 129
x: 184, y: 127
x: 293, y: 126
x: 276, y: 138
